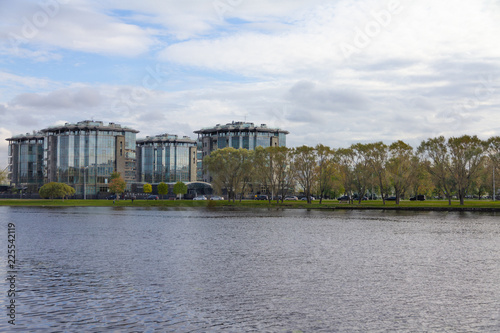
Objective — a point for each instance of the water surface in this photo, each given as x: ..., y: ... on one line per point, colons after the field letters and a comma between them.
x: 134, y: 270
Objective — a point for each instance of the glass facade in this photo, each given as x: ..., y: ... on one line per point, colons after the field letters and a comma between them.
x: 26, y: 161
x: 86, y: 157
x: 85, y: 153
x: 238, y: 135
x: 165, y: 158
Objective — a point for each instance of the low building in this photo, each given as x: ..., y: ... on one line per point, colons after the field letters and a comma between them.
x: 238, y: 135
x: 166, y: 158
x: 26, y: 168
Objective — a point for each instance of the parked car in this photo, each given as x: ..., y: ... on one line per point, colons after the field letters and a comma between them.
x: 291, y: 197
x: 152, y: 197
x: 111, y: 197
x: 216, y: 197
x: 418, y: 197
x: 262, y: 197
x: 344, y: 198
x: 356, y: 197
x: 390, y: 198
x: 305, y: 198
x: 200, y: 197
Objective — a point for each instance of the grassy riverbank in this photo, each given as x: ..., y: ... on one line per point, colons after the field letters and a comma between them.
x: 472, y: 205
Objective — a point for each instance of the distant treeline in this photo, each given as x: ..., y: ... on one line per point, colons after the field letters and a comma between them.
x: 458, y: 166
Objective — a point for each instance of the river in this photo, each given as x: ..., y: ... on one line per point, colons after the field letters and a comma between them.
x: 199, y: 270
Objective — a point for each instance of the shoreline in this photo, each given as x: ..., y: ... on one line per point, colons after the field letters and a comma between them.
x: 470, y: 206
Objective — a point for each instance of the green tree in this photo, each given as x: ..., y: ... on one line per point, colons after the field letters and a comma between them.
x: 436, y: 159
x: 325, y: 170
x: 264, y: 163
x: 180, y: 188
x: 401, y: 167
x: 305, y: 169
x: 56, y: 190
x: 162, y: 189
x: 362, y: 171
x: 376, y: 155
x: 345, y: 158
x: 147, y: 188
x: 466, y: 154
x: 422, y: 184
x: 492, y: 148
x: 224, y: 167
x: 4, y: 176
x: 246, y: 172
x: 117, y: 184
x: 279, y: 171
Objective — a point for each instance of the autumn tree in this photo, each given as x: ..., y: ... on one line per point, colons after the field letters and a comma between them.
x: 117, y: 184
x: 147, y: 188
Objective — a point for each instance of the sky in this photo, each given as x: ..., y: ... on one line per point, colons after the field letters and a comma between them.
x: 335, y: 72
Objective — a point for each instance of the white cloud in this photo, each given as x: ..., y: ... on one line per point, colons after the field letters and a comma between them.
x: 71, y: 99
x: 431, y: 68
x: 71, y: 25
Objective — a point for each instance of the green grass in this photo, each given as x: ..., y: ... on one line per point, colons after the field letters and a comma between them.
x: 327, y: 204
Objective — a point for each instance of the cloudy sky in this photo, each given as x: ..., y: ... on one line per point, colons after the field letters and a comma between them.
x: 334, y: 72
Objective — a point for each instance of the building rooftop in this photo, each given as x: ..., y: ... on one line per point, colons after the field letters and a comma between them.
x: 240, y: 126
x: 27, y: 136
x: 166, y: 138
x: 89, y: 125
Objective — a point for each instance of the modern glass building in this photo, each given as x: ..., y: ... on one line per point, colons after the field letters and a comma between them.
x: 238, y: 135
x: 26, y: 161
x: 166, y: 158
x: 82, y: 155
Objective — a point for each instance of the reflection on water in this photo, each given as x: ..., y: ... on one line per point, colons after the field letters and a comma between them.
x: 105, y: 269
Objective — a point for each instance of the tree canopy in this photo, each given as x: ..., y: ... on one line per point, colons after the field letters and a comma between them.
x: 162, y: 189
x: 56, y: 190
x: 457, y: 166
x: 117, y: 184
x: 180, y: 188
x: 147, y: 188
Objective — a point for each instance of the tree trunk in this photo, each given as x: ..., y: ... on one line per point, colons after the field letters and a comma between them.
x: 461, y: 194
x: 381, y: 190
